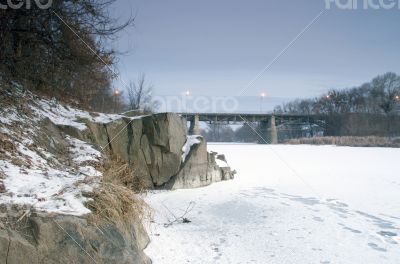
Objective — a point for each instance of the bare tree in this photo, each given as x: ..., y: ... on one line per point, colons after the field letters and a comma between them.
x: 369, y: 109
x: 219, y: 132
x: 61, y: 51
x: 385, y: 88
x: 140, y: 94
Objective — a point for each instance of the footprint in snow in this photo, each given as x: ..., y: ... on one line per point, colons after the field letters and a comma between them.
x: 263, y: 189
x: 318, y: 219
x: 387, y: 234
x: 337, y: 203
x: 305, y: 200
x: 389, y: 237
x: 376, y: 247
x: 338, y: 209
x: 379, y: 222
x: 218, y: 256
x: 390, y: 216
x: 352, y: 230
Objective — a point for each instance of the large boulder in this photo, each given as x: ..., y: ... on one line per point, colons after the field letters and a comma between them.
x: 194, y: 169
x: 165, y: 135
x: 199, y: 169
x: 70, y: 239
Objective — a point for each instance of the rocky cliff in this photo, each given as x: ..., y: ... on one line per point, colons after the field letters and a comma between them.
x: 158, y: 149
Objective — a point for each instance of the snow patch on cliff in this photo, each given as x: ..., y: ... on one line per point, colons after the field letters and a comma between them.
x: 190, y: 141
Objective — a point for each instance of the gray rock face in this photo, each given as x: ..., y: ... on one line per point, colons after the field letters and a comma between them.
x: 69, y: 239
x: 152, y: 145
x: 199, y: 169
x: 165, y: 135
x: 194, y: 170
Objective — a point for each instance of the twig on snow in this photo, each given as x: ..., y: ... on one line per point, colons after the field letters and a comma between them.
x: 182, y: 218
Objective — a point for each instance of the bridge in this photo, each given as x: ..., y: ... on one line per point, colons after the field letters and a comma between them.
x: 268, y: 121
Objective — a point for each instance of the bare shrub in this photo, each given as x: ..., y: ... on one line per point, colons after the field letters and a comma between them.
x: 120, y: 173
x: 118, y: 197
x: 118, y: 204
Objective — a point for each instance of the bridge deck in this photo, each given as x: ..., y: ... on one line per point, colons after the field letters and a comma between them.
x: 241, y: 117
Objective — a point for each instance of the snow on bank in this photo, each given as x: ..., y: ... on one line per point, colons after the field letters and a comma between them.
x: 81, y: 151
x: 30, y: 175
x: 69, y: 116
x: 46, y: 187
x: 287, y: 204
x: 50, y: 191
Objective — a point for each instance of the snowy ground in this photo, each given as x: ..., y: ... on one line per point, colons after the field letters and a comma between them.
x: 288, y: 204
x: 33, y: 176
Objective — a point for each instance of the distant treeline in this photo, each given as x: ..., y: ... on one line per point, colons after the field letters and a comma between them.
x: 370, y: 109
x: 380, y: 96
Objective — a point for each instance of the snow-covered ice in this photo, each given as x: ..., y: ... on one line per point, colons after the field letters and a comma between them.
x: 288, y: 204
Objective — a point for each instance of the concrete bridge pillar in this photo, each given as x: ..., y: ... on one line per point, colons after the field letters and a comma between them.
x: 269, y: 131
x: 194, y: 128
x: 273, y: 131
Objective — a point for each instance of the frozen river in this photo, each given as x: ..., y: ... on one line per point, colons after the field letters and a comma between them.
x: 287, y: 204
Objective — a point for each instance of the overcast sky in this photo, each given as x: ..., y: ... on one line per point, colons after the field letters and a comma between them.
x: 216, y: 47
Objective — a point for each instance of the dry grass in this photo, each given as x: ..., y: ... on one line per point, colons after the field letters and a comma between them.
x: 118, y: 197
x: 370, y: 141
x: 6, y: 144
x: 118, y: 204
x: 120, y: 173
x: 2, y: 177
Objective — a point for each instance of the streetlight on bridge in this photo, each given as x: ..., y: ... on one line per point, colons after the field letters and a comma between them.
x: 262, y: 96
x: 117, y: 93
x: 187, y: 94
